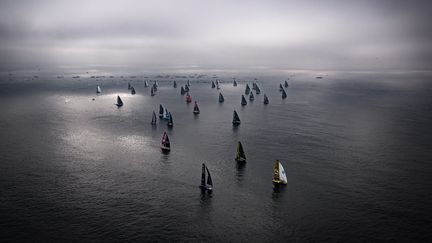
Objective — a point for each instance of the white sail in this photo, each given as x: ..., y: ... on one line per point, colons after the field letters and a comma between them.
x: 165, y: 114
x: 98, y: 89
x: 282, y: 175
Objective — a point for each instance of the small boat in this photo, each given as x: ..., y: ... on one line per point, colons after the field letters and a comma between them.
x: 165, y: 146
x: 165, y: 115
x: 119, y: 102
x: 170, y: 120
x: 182, y: 91
x: 247, y: 89
x: 213, y: 85
x: 251, y: 96
x: 284, y: 94
x: 286, y: 84
x: 236, y: 118
x: 156, y: 83
x: 243, y: 100
x: 186, y: 88
x: 129, y: 86
x: 254, y: 86
x: 146, y: 84
x: 153, y: 121
x: 266, y: 100
x: 206, y: 185
x: 98, y: 90
x: 240, y: 157
x: 319, y: 77
x: 196, y: 109
x: 161, y: 110
x: 152, y: 92
x: 175, y: 84
x: 133, y: 90
x: 188, y: 98
x: 279, y: 176
x: 188, y: 83
x: 221, y: 98
x: 155, y: 87
x: 217, y: 86
x: 234, y: 83
x: 217, y: 82
x: 257, y: 90
x: 280, y: 87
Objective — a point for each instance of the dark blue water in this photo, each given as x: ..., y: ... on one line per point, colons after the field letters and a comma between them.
x: 356, y: 148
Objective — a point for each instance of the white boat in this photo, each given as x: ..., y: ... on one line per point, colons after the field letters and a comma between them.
x: 98, y: 90
x: 279, y: 176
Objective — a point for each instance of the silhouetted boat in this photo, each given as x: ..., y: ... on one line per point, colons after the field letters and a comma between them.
x: 266, y: 100
x: 153, y: 121
x: 146, y: 84
x: 206, y: 185
x: 236, y: 118
x: 129, y: 86
x: 221, y: 98
x: 240, y: 156
x: 188, y: 98
x: 213, y: 85
x: 186, y: 88
x: 217, y: 86
x: 161, y: 110
x: 133, y: 90
x: 154, y: 86
x: 170, y: 120
x: 284, y: 94
x: 165, y: 115
x: 165, y: 145
x: 253, y: 86
x: 196, y: 109
x: 188, y: 83
x: 281, y: 87
x: 234, y: 83
x: 247, y: 90
x: 286, y: 84
x: 279, y: 176
x: 243, y: 100
x: 119, y: 102
x: 98, y: 89
x: 251, y: 96
x: 175, y: 84
x: 152, y: 92
x: 257, y: 90
x: 182, y: 91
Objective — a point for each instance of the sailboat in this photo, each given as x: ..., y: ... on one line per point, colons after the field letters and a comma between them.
x: 153, y: 121
x: 161, y: 110
x: 129, y: 86
x: 133, y: 90
x: 286, y: 84
x: 243, y: 100
x: 221, y: 98
x: 266, y: 100
x: 188, y: 83
x: 284, y: 94
x: 257, y: 90
x: 155, y: 86
x: 206, y: 185
x: 186, y: 88
x: 152, y: 92
x: 279, y: 176
x: 146, y: 84
x: 182, y: 91
x: 236, y: 118
x: 280, y: 87
x: 234, y: 83
x: 165, y: 115
x: 188, y: 98
x: 196, y: 109
x: 119, y: 102
x: 240, y: 157
x: 253, y: 86
x: 175, y: 84
x: 217, y: 86
x: 247, y: 89
x: 213, y: 85
x: 165, y: 146
x: 170, y: 120
x: 98, y: 90
x: 251, y: 96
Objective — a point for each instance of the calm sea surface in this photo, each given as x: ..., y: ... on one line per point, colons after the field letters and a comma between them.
x: 356, y: 147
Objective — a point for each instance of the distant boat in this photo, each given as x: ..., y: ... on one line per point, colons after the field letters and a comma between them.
x: 119, y: 102
x: 155, y: 86
x: 182, y: 91
x: 243, y: 100
x: 165, y: 146
x: 152, y: 92
x: 133, y: 90
x: 318, y: 77
x: 188, y: 98
x: 213, y: 85
x: 251, y: 96
x: 234, y: 83
x: 186, y: 88
x: 221, y: 98
x: 188, y: 83
x: 165, y: 115
x: 279, y: 176
x: 196, y: 109
x: 217, y: 82
x: 240, y: 156
x: 257, y: 90
x: 266, y: 100
x: 129, y: 86
x: 170, y: 120
x: 286, y: 84
x: 153, y: 121
x: 146, y: 84
x: 247, y: 89
x: 161, y: 110
x: 206, y: 185
x: 281, y: 87
x: 175, y: 84
x: 236, y: 118
x: 254, y: 86
x: 284, y: 94
x: 217, y: 86
x: 98, y: 90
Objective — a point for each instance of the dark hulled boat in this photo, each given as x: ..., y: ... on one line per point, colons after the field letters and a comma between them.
x: 221, y: 98
x: 206, y: 185
x: 236, y: 119
x: 240, y: 156
x: 196, y: 109
x: 243, y: 100
x: 119, y: 102
x: 266, y: 100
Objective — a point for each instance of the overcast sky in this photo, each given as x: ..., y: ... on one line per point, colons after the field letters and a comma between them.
x: 216, y: 34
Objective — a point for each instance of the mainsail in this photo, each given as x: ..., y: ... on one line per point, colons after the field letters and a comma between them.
x: 152, y: 92
x: 213, y: 85
x: 182, y: 90
x: 153, y: 121
x: 279, y: 176
x: 286, y: 84
x: 133, y: 90
x: 251, y: 96
x: 257, y: 90
x: 284, y: 94
x: 240, y: 157
x: 161, y: 110
x: 243, y: 100
x: 119, y: 102
x: 234, y: 83
x: 146, y: 84
x: 98, y: 89
x: 221, y: 98
x: 165, y: 146
x: 175, y: 84
x: 236, y: 118
x: 206, y: 186
x: 247, y: 89
x: 266, y: 100
x: 196, y: 109
x: 170, y: 121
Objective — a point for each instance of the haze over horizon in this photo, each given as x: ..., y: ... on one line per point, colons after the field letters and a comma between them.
x: 338, y: 35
